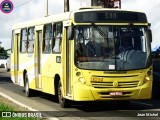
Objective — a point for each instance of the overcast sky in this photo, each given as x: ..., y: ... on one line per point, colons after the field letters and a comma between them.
x: 33, y: 9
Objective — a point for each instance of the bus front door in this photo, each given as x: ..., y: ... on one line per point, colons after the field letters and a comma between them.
x: 37, y: 59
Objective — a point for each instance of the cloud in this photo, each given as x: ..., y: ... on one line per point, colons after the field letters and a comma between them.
x: 25, y: 10
x: 32, y: 9
x: 6, y: 43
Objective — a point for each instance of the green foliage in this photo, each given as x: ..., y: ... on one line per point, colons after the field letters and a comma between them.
x: 6, y: 108
x: 3, y: 52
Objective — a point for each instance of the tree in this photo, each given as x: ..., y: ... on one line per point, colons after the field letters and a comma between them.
x: 3, y: 52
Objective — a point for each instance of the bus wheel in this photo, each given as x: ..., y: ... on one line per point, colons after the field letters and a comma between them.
x: 62, y: 101
x: 28, y: 91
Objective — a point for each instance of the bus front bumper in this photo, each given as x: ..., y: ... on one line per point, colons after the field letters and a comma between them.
x: 82, y: 92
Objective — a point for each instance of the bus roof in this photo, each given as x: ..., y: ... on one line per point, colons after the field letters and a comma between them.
x: 97, y: 8
x: 61, y: 17
x: 44, y: 20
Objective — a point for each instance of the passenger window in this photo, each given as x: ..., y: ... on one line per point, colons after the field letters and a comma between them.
x: 47, y: 39
x: 31, y: 37
x: 23, y: 41
x: 57, y: 41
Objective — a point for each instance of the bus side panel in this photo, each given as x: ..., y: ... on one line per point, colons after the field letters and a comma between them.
x: 49, y: 69
x: 26, y: 62
x: 12, y: 68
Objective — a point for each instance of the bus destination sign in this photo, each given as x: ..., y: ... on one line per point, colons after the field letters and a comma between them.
x: 110, y: 16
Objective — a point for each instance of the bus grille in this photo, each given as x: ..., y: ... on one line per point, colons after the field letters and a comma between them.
x: 126, y: 84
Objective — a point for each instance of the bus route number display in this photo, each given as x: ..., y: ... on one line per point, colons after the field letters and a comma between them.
x: 109, y: 17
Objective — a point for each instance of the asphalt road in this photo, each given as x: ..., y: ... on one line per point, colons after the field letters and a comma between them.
x: 83, y: 110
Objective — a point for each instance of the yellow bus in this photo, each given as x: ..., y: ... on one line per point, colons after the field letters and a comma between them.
x: 82, y: 55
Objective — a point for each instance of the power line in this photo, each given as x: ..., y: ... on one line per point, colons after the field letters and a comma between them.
x: 23, y: 4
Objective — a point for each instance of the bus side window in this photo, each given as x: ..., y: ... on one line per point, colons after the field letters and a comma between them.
x: 47, y: 39
x: 57, y: 37
x: 23, y: 41
x: 31, y: 38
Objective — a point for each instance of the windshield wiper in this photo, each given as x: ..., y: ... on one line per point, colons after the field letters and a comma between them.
x: 100, y: 31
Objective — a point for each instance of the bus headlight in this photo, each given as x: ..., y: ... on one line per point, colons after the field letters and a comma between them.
x: 149, y: 73
x: 147, y: 77
x: 82, y: 80
x: 78, y: 74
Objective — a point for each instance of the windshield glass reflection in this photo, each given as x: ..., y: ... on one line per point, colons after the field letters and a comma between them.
x: 111, y: 47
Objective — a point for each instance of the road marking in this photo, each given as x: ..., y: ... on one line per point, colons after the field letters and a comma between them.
x: 25, y: 106
x: 142, y: 103
x: 157, y: 74
x: 18, y: 103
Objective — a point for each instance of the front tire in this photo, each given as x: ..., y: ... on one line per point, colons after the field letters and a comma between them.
x: 64, y: 103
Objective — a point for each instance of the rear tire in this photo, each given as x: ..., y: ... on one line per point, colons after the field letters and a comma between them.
x: 28, y: 91
x: 6, y: 67
x: 64, y: 103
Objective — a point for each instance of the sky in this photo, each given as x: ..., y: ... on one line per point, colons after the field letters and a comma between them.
x: 32, y: 9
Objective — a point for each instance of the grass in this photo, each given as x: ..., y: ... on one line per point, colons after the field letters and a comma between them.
x: 8, y: 108
x: 4, y: 107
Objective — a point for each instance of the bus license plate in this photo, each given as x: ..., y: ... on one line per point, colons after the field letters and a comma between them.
x: 115, y: 93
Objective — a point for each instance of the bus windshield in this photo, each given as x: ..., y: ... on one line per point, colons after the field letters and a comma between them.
x: 100, y: 47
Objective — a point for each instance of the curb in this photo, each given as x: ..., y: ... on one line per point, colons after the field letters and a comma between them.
x: 27, y: 107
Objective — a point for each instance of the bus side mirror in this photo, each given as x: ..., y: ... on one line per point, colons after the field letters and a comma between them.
x: 70, y: 33
x: 150, y: 35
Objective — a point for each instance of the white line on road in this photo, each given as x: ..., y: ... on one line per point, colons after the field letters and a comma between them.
x: 25, y: 106
x: 142, y: 103
x: 18, y: 103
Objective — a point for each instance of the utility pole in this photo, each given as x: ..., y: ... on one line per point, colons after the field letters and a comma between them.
x: 66, y: 5
x: 46, y: 9
x: 94, y: 2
